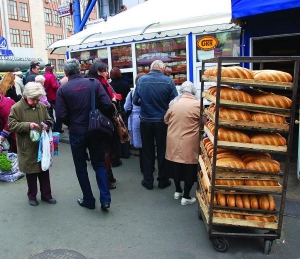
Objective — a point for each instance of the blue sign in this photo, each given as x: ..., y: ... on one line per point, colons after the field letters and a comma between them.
x: 4, y: 51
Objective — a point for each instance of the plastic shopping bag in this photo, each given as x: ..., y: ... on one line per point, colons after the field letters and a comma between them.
x: 46, y: 156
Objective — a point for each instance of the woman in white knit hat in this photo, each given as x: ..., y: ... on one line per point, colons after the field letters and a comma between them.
x: 26, y: 115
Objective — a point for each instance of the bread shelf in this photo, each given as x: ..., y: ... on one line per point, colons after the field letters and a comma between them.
x: 250, y: 82
x: 243, y: 124
x: 245, y: 146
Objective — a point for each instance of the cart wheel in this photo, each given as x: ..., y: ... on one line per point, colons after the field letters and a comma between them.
x: 220, y: 244
x: 267, y: 246
x: 199, y: 212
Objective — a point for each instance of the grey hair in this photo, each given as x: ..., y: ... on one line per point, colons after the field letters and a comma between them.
x: 187, y: 87
x: 157, y: 65
x: 40, y: 78
x: 33, y: 90
x: 72, y: 66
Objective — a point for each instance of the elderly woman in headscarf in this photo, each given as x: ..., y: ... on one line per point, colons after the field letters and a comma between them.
x: 183, y: 118
x: 26, y: 115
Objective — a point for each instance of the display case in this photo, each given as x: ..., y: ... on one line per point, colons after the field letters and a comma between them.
x: 121, y: 56
x: 222, y: 188
x: 172, y: 52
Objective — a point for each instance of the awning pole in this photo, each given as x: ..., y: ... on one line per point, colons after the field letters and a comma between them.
x: 76, y: 15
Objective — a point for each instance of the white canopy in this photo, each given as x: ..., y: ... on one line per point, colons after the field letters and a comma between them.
x: 152, y: 20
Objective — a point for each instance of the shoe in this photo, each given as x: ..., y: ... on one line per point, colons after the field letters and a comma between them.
x: 82, y: 203
x: 111, y: 186
x: 116, y: 164
x: 164, y: 184
x: 177, y: 195
x: 148, y: 187
x: 112, y: 179
x: 105, y: 206
x: 187, y: 201
x: 51, y: 201
x: 33, y: 203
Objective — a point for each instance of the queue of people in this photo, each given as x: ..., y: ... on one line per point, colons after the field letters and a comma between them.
x: 161, y: 123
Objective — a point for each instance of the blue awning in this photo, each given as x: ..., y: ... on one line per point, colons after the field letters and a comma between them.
x: 244, y: 8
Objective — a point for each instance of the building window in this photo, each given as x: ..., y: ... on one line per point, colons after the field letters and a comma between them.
x: 12, y: 10
x: 58, y: 37
x: 69, y: 23
x: 56, y: 19
x: 53, y: 62
x: 26, y: 41
x: 15, y: 37
x: 48, y: 16
x: 61, y: 64
x: 49, y: 38
x: 23, y: 12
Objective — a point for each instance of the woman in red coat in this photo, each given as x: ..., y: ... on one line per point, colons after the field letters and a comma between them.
x: 5, y: 107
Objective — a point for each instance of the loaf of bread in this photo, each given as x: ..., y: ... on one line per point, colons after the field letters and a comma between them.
x: 265, y: 117
x: 230, y: 199
x: 228, y: 154
x: 239, y: 201
x: 271, y: 202
x: 221, y: 199
x: 232, y: 114
x: 230, y: 182
x: 264, y: 203
x: 274, y: 139
x: 233, y: 136
x: 261, y: 218
x: 235, y: 95
x: 261, y: 183
x: 256, y: 154
x: 273, y: 100
x: 246, y: 201
x: 272, y: 75
x: 231, y: 72
x: 206, y: 140
x: 265, y: 165
x: 253, y: 202
x: 231, y: 163
x: 228, y: 215
x: 258, y: 157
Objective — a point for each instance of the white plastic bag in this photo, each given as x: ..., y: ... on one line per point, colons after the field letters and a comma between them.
x: 46, y: 151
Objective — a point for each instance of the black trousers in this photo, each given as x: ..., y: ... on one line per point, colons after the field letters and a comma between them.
x: 154, y: 133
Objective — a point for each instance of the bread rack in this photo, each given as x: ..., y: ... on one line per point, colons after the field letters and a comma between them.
x: 217, y: 227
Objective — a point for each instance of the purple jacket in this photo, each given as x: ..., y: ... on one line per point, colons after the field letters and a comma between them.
x: 73, y: 102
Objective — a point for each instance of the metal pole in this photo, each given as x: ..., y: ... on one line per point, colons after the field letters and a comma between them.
x: 76, y: 16
x: 86, y: 15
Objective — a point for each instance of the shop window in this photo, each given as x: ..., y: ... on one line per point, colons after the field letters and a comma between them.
x: 49, y: 39
x: 23, y: 12
x: 86, y: 58
x: 121, y: 56
x: 172, y: 52
x: 56, y: 19
x: 26, y: 40
x: 12, y: 10
x: 60, y: 64
x: 15, y: 37
x: 48, y: 16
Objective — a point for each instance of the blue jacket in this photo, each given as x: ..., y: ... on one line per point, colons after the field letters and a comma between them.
x: 154, y: 92
x: 73, y: 102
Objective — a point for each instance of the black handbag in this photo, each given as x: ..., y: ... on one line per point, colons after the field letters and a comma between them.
x: 98, y: 123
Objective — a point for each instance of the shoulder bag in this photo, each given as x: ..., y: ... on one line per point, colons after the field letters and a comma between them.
x: 98, y: 123
x: 120, y: 127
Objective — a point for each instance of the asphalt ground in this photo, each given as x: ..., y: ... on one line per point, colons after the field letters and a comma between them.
x: 140, y: 224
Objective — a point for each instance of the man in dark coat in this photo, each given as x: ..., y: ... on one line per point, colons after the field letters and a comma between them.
x: 73, y: 105
x: 34, y: 71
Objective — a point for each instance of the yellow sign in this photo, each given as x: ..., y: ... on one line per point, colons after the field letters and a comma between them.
x: 207, y: 42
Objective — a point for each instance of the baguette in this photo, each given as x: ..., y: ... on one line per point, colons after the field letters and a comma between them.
x: 253, y: 202
x: 230, y: 200
x: 239, y: 201
x: 232, y: 114
x: 265, y: 117
x: 261, y: 183
x: 264, y: 203
x: 272, y: 75
x: 228, y: 215
x: 261, y: 218
x: 274, y: 139
x: 221, y: 199
x: 246, y: 201
x: 230, y: 182
x: 266, y: 165
x: 273, y: 100
x: 271, y: 202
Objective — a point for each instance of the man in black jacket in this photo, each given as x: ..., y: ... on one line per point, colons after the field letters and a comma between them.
x: 73, y: 101
x: 34, y: 71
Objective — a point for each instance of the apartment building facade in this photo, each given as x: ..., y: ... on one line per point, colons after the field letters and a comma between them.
x: 27, y: 27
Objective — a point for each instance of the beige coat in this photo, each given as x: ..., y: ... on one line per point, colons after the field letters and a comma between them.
x: 20, y: 117
x: 183, y: 118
